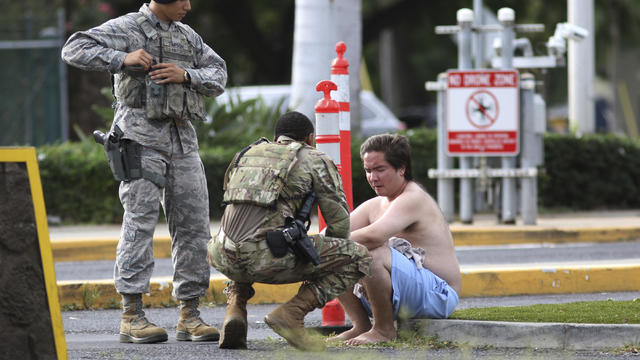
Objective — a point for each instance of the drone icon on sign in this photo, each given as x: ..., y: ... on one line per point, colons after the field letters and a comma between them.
x: 482, y: 109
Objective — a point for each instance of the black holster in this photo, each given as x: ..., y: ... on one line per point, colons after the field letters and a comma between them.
x: 124, y: 155
x: 293, y: 238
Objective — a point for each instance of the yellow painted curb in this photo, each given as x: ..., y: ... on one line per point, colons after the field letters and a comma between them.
x: 532, y: 234
x: 557, y: 280
x: 101, y: 294
x: 475, y: 282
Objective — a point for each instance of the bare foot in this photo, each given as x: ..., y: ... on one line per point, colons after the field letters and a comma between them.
x: 349, y: 334
x: 370, y: 337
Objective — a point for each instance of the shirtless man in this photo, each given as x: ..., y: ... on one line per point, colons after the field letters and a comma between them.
x: 405, y: 210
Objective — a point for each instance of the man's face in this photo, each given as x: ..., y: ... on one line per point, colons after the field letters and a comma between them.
x: 174, y: 11
x: 382, y: 177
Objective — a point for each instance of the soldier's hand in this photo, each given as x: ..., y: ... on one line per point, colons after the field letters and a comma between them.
x: 164, y: 73
x: 139, y: 58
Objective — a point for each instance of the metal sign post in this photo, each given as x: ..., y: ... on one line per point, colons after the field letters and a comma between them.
x: 465, y: 21
x: 485, y: 113
x: 531, y: 150
x: 507, y: 17
x: 445, y: 162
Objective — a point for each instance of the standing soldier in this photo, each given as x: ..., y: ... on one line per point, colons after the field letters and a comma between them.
x: 160, y: 71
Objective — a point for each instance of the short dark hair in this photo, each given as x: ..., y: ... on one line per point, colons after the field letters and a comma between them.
x: 396, y: 150
x: 294, y: 125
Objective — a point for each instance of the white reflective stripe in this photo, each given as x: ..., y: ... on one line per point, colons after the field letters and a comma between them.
x: 327, y: 123
x: 342, y: 95
x: 332, y: 150
x: 345, y: 120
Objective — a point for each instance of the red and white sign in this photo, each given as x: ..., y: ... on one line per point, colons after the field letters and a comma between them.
x: 482, y: 112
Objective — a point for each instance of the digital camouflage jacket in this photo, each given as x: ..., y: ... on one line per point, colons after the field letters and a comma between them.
x: 104, y: 48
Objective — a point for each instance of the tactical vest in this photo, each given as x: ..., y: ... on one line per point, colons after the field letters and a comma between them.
x: 167, y: 101
x: 258, y: 174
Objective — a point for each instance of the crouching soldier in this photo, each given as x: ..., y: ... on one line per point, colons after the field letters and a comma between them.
x: 269, y: 187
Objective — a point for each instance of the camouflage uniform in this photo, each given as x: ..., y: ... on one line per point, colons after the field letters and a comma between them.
x: 240, y: 250
x: 169, y: 144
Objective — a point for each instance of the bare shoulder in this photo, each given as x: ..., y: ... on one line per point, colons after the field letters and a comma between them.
x: 418, y: 202
x: 369, y: 205
x: 416, y: 194
x: 364, y: 214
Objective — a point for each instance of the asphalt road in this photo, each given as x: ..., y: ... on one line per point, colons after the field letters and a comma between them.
x: 280, y: 350
x: 469, y: 256
x: 93, y: 335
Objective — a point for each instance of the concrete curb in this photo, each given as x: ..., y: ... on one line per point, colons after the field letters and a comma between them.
x: 105, y: 249
x: 531, y: 335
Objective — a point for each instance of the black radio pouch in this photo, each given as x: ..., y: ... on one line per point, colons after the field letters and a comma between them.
x: 277, y: 243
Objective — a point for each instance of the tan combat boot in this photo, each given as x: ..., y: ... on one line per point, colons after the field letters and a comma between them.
x: 134, y: 326
x: 190, y: 325
x: 288, y: 320
x: 233, y: 334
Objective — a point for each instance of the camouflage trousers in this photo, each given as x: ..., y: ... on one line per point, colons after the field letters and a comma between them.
x: 343, y: 263
x: 186, y: 206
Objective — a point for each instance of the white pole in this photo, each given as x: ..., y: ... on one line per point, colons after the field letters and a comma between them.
x: 465, y: 21
x: 581, y: 68
x: 312, y: 52
x: 319, y: 25
x: 507, y: 17
x: 348, y: 15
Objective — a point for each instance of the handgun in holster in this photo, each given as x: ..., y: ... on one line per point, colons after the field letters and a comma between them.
x: 293, y: 238
x: 123, y: 154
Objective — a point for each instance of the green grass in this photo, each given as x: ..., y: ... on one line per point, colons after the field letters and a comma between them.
x: 407, y: 339
x: 585, y: 312
x: 631, y: 349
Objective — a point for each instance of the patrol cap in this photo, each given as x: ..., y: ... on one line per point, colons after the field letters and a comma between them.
x: 164, y: 1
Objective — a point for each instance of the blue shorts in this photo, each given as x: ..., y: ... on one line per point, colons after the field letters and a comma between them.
x: 417, y: 293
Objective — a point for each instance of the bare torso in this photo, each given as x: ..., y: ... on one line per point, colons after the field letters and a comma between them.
x: 426, y: 228
x: 401, y: 209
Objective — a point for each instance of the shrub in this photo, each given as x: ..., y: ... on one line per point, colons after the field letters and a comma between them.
x: 579, y: 173
x: 215, y: 161
x: 592, y: 172
x: 237, y: 123
x: 77, y: 183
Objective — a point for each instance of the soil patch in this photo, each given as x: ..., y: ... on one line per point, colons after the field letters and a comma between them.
x: 26, y: 331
